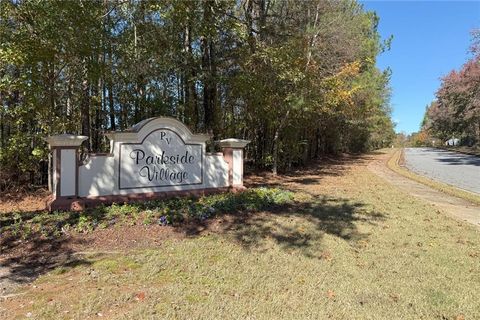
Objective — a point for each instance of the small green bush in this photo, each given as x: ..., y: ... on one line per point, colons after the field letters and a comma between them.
x: 85, y: 223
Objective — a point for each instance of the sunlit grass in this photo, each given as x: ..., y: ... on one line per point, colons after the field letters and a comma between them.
x: 351, y: 247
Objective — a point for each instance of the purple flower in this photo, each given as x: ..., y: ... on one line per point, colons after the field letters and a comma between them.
x: 163, y: 220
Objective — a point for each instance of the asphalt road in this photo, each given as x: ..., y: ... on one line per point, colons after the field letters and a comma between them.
x: 457, y: 169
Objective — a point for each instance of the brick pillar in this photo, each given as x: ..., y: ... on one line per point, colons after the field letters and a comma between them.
x: 64, y: 149
x: 233, y: 152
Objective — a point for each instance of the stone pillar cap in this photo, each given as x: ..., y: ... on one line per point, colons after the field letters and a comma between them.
x: 65, y: 140
x: 232, y: 143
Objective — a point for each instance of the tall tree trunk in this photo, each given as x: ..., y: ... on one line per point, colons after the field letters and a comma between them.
x: 85, y: 106
x: 111, y: 106
x: 317, y: 143
x: 51, y: 92
x: 110, y: 77
x: 275, y: 152
x: 96, y: 126
x: 191, y: 108
x: 248, y: 8
x: 210, y: 72
x: 275, y: 142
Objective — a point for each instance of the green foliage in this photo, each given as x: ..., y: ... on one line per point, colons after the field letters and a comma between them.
x: 85, y: 223
x: 297, y: 78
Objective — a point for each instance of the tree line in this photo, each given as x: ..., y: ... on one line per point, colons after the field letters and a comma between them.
x: 297, y: 78
x: 455, y: 113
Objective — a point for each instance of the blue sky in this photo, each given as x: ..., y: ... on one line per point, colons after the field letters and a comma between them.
x: 430, y: 38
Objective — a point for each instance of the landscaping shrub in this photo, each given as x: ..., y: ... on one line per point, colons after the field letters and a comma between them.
x: 172, y: 211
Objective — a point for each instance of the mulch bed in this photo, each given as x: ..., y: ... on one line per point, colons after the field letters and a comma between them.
x: 23, y: 201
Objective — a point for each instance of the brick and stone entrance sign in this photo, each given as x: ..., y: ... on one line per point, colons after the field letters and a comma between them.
x: 158, y: 157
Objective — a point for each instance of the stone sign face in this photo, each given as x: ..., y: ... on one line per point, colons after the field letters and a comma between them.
x: 156, y: 158
x: 162, y: 159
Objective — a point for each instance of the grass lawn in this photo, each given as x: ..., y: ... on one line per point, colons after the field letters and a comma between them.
x: 464, y: 149
x: 350, y: 246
